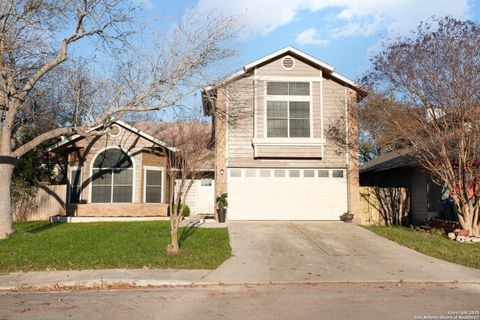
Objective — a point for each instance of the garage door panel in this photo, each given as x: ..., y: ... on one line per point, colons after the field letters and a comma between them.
x: 286, y: 198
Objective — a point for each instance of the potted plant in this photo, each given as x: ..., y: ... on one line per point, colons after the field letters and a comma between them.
x: 346, y: 217
x: 222, y: 205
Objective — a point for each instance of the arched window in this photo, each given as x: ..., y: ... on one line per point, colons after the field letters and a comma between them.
x: 112, y: 177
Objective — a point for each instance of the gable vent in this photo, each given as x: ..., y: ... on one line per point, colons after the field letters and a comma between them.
x: 288, y: 63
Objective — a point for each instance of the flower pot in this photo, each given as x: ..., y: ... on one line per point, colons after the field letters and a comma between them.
x: 347, y: 218
x: 461, y: 232
x: 222, y: 213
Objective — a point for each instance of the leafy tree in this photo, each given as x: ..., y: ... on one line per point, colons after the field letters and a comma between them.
x: 425, y: 100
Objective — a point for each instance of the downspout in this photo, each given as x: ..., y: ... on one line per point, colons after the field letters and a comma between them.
x: 322, y: 135
x: 254, y: 103
x: 347, y: 157
x: 254, y: 110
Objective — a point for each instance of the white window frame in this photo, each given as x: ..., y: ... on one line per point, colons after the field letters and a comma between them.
x: 153, y: 168
x: 288, y: 99
x: 134, y: 188
x: 210, y: 180
x: 70, y: 169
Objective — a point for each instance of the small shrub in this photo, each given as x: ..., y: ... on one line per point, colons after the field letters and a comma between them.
x: 186, y: 211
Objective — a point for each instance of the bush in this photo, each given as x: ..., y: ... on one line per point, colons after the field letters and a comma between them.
x: 186, y: 211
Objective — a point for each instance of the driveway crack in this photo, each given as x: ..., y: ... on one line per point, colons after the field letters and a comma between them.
x: 310, y: 239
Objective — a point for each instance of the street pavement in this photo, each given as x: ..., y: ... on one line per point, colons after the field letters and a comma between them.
x: 293, y: 301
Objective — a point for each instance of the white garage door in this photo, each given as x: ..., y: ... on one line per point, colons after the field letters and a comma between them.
x: 286, y: 194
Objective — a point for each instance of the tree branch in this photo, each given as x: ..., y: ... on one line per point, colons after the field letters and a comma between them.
x: 32, y: 144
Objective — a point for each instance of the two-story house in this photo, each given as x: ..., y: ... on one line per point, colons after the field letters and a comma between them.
x: 273, y: 152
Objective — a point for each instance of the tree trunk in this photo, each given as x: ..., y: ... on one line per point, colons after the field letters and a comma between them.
x: 470, y: 219
x: 468, y: 216
x: 173, y: 247
x: 6, y: 219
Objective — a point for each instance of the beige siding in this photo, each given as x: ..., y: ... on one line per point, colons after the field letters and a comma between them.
x: 240, y: 122
x: 260, y: 91
x: 289, y: 152
x: 316, y: 110
x: 275, y: 69
x: 333, y: 116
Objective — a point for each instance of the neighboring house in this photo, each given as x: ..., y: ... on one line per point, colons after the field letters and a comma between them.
x: 398, y: 170
x: 274, y: 156
x: 124, y: 172
x: 201, y: 196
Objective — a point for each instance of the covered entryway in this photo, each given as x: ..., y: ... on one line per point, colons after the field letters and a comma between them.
x: 286, y: 194
x: 201, y: 197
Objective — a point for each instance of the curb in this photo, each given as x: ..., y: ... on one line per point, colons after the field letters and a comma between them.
x: 114, y: 284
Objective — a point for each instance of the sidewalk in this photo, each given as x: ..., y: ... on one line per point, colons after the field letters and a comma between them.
x: 279, y: 253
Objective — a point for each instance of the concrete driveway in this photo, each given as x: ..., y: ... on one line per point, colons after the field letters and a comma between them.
x: 326, y: 251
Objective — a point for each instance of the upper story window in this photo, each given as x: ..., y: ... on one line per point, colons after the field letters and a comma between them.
x: 112, y: 177
x: 277, y: 88
x: 288, y: 109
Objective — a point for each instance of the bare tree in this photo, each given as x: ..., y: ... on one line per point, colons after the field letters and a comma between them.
x: 33, y: 45
x: 192, y: 160
x: 425, y: 99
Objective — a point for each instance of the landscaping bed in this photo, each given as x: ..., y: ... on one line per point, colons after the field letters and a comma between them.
x: 110, y: 245
x: 433, y: 243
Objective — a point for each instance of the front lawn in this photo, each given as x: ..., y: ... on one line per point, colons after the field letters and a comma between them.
x: 106, y: 245
x: 434, y: 244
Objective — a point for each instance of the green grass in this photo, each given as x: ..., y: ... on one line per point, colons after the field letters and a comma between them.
x: 434, y: 244
x: 105, y: 245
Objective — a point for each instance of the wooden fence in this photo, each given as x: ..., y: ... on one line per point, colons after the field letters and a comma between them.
x: 49, y: 201
x: 379, y: 203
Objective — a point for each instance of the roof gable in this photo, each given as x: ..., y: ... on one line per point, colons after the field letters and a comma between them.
x: 326, y: 68
x: 293, y: 51
x: 77, y: 137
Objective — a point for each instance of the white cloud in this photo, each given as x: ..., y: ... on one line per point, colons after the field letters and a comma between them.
x: 309, y: 36
x: 359, y: 27
x: 355, y: 18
